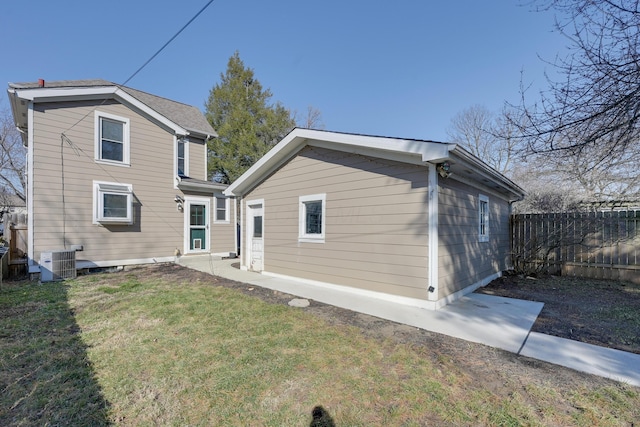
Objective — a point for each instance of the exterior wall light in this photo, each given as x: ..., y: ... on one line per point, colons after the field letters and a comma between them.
x: 179, y: 200
x: 444, y: 169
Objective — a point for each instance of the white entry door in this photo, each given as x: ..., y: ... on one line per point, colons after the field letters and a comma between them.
x: 255, y: 240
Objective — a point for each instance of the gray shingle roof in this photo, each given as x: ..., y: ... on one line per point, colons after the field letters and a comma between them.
x: 186, y: 116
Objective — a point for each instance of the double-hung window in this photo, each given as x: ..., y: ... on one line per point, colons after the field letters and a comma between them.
x: 112, y: 203
x: 111, y: 138
x: 221, y: 209
x: 483, y: 218
x: 312, y: 218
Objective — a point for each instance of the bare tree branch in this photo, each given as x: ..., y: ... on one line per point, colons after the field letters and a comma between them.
x: 312, y: 120
x: 597, y: 103
x: 12, y: 157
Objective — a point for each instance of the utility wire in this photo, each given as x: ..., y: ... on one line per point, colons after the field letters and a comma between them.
x: 167, y: 43
x: 148, y: 61
x: 64, y: 138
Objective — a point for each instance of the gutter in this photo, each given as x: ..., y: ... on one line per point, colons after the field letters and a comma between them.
x: 491, y: 173
x: 191, y: 184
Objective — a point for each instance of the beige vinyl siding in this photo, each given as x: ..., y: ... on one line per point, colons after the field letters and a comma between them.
x: 158, y: 226
x: 376, y: 222
x: 197, y: 159
x: 222, y: 238
x: 463, y: 259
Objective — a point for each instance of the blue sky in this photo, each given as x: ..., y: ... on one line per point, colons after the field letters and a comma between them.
x: 395, y: 68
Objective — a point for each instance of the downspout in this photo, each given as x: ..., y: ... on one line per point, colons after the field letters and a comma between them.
x: 432, y: 283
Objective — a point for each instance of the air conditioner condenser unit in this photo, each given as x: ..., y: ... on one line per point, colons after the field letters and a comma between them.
x: 57, y: 265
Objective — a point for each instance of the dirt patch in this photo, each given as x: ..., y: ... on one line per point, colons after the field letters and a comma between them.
x: 600, y: 312
x: 495, y: 369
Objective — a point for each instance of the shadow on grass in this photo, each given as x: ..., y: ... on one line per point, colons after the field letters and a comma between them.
x: 46, y: 377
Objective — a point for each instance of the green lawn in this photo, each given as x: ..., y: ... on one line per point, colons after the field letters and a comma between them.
x: 136, y: 348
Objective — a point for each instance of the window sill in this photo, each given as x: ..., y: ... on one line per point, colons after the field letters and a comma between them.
x: 113, y: 163
x: 311, y: 239
x: 110, y: 222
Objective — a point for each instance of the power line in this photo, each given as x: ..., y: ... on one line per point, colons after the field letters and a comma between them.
x: 78, y: 150
x: 167, y: 43
x: 147, y: 62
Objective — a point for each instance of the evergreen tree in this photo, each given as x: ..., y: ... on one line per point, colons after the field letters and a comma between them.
x: 248, y: 125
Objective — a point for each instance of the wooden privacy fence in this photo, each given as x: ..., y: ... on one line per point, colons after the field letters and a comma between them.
x: 586, y: 244
x: 15, y: 233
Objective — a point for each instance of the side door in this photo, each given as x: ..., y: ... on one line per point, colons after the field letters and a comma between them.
x: 255, y: 236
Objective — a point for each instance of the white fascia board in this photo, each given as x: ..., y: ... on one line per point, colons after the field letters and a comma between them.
x: 88, y: 93
x: 62, y: 93
x: 433, y: 237
x: 392, y: 148
x: 270, y: 160
x: 427, y: 150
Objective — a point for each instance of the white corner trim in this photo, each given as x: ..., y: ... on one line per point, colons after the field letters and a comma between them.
x: 235, y: 222
x: 30, y: 238
x: 433, y: 273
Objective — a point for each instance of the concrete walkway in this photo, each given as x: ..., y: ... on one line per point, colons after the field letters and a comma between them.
x: 491, y: 320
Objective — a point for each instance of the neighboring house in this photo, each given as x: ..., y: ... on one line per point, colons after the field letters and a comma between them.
x: 10, y: 206
x: 413, y: 221
x: 11, y: 203
x: 118, y: 174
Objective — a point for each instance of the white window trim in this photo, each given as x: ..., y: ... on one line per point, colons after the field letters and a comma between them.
x: 302, y: 235
x: 126, y: 160
x: 101, y: 188
x: 483, y: 219
x: 186, y: 156
x: 226, y: 208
